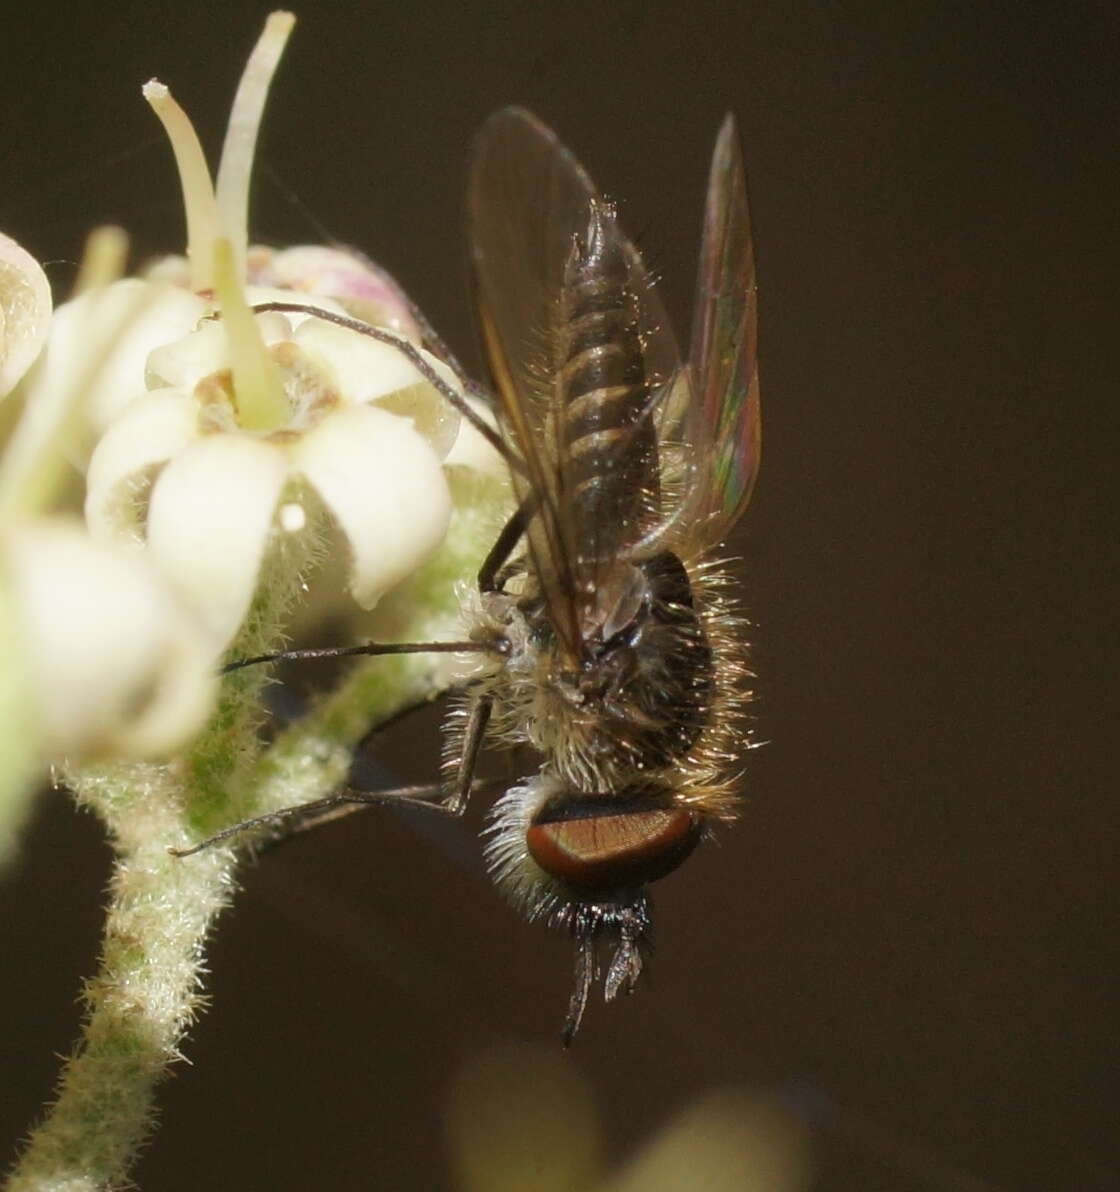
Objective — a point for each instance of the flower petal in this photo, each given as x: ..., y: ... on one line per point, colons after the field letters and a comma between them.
x: 260, y: 295
x: 365, y: 290
x: 385, y: 487
x: 173, y: 269
x: 367, y: 370
x: 25, y: 312
x: 90, y: 325
x: 115, y: 661
x: 471, y: 450
x: 153, y: 429
x: 209, y: 522
x: 182, y: 363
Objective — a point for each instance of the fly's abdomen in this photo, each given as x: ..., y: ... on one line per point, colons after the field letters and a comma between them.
x: 609, y: 462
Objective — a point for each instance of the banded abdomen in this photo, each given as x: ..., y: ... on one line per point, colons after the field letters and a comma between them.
x: 608, y: 466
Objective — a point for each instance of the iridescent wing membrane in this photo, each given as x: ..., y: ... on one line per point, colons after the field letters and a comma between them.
x: 724, y: 418
x: 530, y: 203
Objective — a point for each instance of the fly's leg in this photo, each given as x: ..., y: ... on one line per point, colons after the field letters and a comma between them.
x: 489, y: 573
x: 429, y: 795
x: 463, y: 778
x: 305, y: 816
x: 291, y: 820
x: 434, y: 796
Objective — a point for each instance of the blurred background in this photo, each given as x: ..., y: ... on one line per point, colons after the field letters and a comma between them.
x: 909, y: 942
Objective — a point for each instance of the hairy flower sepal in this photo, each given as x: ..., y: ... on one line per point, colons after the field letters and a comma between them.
x: 363, y: 429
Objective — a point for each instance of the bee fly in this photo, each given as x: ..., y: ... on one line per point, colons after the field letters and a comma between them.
x: 607, y: 643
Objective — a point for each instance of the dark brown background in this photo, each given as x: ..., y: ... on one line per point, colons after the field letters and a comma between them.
x: 912, y: 931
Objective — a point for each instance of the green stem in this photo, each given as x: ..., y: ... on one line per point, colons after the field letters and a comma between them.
x: 146, y: 991
x: 142, y: 999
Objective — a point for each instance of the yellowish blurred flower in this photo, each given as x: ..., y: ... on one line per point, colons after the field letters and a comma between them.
x: 98, y: 655
x: 114, y: 664
x: 25, y: 312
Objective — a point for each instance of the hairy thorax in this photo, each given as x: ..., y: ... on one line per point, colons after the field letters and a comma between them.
x: 635, y: 699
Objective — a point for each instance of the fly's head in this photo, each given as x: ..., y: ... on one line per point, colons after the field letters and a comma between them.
x: 582, y: 861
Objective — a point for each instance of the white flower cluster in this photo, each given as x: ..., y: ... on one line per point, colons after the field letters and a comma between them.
x: 98, y: 654
x: 208, y: 431
x: 199, y: 473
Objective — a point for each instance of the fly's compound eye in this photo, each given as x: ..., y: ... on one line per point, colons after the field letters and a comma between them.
x: 599, y: 847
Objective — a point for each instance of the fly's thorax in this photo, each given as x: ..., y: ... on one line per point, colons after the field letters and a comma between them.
x: 641, y: 691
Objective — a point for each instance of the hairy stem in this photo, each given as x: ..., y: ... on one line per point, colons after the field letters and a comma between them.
x: 141, y: 1000
x: 146, y: 991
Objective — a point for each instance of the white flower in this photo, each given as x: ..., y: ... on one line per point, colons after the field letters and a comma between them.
x: 25, y: 312
x: 362, y: 427
x: 122, y: 323
x: 98, y: 656
x: 335, y: 279
x: 215, y: 427
x: 113, y: 663
x: 472, y: 450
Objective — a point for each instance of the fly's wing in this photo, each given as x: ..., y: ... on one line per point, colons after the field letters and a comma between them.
x: 530, y: 206
x: 722, y: 422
